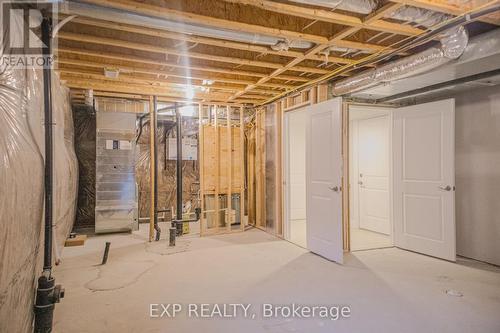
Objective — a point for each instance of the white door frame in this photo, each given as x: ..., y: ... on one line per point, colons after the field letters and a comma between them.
x: 286, y: 171
x: 391, y: 159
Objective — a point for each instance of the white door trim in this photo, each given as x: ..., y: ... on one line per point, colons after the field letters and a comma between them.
x: 391, y: 162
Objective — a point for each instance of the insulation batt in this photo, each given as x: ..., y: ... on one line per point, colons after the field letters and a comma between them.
x: 166, y: 169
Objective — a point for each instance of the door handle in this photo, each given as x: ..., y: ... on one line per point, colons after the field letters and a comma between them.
x: 360, y: 183
x: 334, y: 188
x: 445, y: 188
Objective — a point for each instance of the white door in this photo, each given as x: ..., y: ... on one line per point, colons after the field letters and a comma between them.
x: 323, y: 179
x: 373, y: 174
x: 424, y: 178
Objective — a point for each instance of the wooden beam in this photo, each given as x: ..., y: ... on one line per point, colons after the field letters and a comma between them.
x: 128, y: 78
x: 437, y: 6
x: 113, y: 95
x: 242, y: 166
x: 342, y: 34
x: 152, y: 167
x: 207, y: 41
x: 201, y: 152
x: 447, y: 8
x: 139, y: 89
x: 141, y: 60
x: 229, y: 166
x: 188, y: 17
x: 150, y: 71
x: 197, y: 55
x: 125, y: 78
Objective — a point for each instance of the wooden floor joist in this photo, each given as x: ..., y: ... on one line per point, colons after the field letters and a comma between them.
x: 155, y: 59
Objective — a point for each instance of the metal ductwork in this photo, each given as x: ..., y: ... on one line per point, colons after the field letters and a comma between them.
x: 424, y: 17
x: 453, y: 44
x: 120, y: 16
x: 356, y: 6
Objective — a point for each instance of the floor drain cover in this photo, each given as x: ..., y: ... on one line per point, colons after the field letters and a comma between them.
x: 455, y: 293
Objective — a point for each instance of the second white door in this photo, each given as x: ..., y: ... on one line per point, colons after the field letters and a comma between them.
x: 373, y: 174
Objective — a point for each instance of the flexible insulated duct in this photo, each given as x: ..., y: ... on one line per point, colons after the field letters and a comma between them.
x: 453, y: 45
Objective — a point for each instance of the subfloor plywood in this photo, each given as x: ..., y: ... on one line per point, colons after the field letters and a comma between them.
x: 388, y: 290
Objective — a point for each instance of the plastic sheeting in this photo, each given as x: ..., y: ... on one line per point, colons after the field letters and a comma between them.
x: 271, y: 142
x: 85, y: 147
x: 166, y: 168
x: 22, y: 178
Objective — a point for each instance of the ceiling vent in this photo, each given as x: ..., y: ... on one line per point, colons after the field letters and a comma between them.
x: 111, y: 73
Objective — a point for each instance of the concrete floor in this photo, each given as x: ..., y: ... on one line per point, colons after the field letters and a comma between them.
x: 362, y: 239
x: 388, y: 290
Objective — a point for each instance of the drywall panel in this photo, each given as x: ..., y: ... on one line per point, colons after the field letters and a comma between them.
x: 477, y: 171
x: 477, y: 165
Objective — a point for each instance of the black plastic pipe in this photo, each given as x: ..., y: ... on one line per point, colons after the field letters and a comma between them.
x: 154, y: 160
x: 47, y: 293
x: 106, y: 253
x: 179, y: 168
x: 49, y: 173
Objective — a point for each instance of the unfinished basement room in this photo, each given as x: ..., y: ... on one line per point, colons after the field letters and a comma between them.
x: 250, y: 166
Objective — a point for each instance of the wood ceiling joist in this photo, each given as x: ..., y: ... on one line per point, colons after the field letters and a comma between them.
x: 109, y: 94
x: 447, y: 8
x: 187, y: 17
x: 344, y: 33
x: 196, y: 39
x: 141, y: 60
x: 197, y: 55
x: 137, y: 89
x: 330, y: 17
x: 81, y: 92
x: 150, y: 71
x: 124, y: 78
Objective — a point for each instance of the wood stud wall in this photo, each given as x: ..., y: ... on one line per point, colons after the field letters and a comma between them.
x: 221, y: 166
x: 165, y: 63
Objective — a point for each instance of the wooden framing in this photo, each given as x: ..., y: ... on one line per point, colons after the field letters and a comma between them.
x: 260, y: 169
x: 221, y: 168
x: 259, y: 69
x: 202, y: 170
x: 152, y: 166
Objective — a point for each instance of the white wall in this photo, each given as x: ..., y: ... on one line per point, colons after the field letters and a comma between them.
x: 353, y: 175
x: 477, y: 167
x: 477, y: 164
x: 297, y: 167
